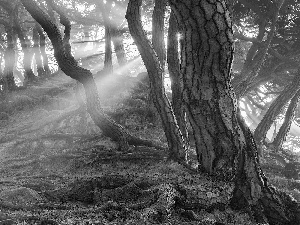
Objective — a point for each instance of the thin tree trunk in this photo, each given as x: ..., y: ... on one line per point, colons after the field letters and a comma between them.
x: 105, y: 9
x: 27, y: 59
x: 43, y: 48
x: 175, y: 75
x: 288, y: 119
x: 70, y: 67
x: 37, y: 52
x: 252, y: 70
x: 117, y: 39
x: 224, y: 144
x: 174, y: 137
x: 9, y: 58
x: 276, y: 108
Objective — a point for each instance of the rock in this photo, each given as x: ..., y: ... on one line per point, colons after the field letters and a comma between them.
x: 20, y: 196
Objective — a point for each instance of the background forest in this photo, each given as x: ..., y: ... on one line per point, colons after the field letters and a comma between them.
x: 95, y: 127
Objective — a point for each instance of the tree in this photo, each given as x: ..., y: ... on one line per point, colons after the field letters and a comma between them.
x: 276, y: 108
x: 285, y: 127
x: 8, y: 81
x: 224, y: 144
x: 67, y: 63
x: 37, y: 52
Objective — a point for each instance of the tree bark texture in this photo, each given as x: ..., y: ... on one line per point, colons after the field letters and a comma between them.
x: 288, y: 119
x: 69, y: 66
x: 158, y: 26
x: 37, y: 52
x: 224, y: 144
x: 276, y: 108
x: 175, y: 75
x: 174, y: 137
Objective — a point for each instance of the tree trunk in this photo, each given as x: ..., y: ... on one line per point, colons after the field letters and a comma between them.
x: 105, y: 9
x: 117, y: 39
x: 158, y: 39
x: 174, y: 137
x: 275, y: 108
x: 288, y: 119
x: 251, y: 71
x: 37, y: 52
x: 43, y: 48
x: 224, y: 144
x: 27, y: 59
x: 175, y: 75
x: 9, y: 58
x: 69, y: 66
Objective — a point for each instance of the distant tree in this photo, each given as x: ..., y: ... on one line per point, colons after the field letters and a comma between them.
x: 8, y: 80
x: 37, y: 52
x: 25, y: 44
x: 67, y: 63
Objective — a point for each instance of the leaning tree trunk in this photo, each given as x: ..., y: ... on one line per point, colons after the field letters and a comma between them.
x: 70, y: 67
x: 175, y: 75
x: 174, y: 137
x: 224, y: 144
x: 37, y: 52
x: 276, y: 108
x: 288, y: 119
x: 43, y: 48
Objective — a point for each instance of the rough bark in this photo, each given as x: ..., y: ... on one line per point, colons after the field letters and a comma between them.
x: 43, y: 48
x: 158, y: 41
x: 174, y: 137
x: 224, y: 144
x: 69, y: 66
x: 288, y: 119
x: 27, y: 59
x: 37, y: 52
x: 175, y: 75
x: 275, y: 108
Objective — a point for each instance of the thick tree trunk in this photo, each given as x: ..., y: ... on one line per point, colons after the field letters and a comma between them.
x: 37, y: 52
x: 117, y: 39
x: 288, y: 119
x: 69, y: 66
x: 174, y: 137
x: 43, y: 49
x: 275, y: 108
x: 224, y: 144
x: 175, y: 75
x: 27, y: 59
x: 158, y: 39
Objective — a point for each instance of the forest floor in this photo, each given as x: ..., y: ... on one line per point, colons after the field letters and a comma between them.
x: 57, y: 168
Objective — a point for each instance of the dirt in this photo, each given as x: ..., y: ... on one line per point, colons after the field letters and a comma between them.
x: 57, y: 168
